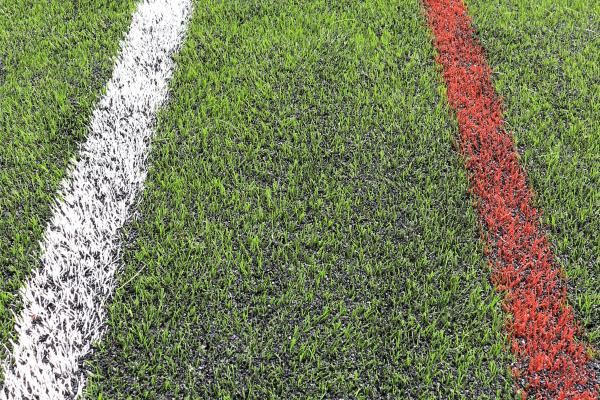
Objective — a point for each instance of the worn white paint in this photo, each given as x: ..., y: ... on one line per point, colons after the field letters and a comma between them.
x: 63, y: 302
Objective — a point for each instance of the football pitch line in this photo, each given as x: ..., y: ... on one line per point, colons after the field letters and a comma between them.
x: 552, y: 361
x: 63, y: 300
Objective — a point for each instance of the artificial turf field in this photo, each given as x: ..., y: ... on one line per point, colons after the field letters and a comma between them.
x: 306, y: 229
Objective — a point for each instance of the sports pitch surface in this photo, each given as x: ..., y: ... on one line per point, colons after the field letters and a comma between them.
x: 312, y: 223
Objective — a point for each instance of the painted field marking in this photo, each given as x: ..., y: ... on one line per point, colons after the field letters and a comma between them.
x: 63, y: 301
x: 552, y: 362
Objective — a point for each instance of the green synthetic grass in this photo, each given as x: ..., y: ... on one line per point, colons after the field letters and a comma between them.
x: 55, y: 57
x: 547, y: 67
x: 306, y: 230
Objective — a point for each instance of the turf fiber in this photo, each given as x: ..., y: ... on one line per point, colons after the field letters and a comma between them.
x: 547, y: 67
x: 55, y: 56
x: 306, y: 230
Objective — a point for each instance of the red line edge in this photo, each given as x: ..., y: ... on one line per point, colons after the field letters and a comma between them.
x: 552, y: 362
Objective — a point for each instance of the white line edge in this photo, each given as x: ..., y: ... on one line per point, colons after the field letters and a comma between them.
x: 63, y: 301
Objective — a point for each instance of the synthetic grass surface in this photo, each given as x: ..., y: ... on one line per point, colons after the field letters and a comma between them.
x: 547, y: 67
x: 54, y: 59
x: 306, y: 230
x: 551, y: 362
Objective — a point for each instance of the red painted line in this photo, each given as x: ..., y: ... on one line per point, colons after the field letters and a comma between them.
x: 551, y: 360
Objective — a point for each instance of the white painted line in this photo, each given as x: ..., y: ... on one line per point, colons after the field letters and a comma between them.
x: 63, y: 302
